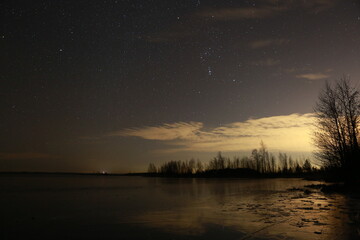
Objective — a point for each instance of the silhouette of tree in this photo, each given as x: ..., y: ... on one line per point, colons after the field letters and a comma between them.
x: 260, y: 162
x: 283, y: 158
x: 217, y: 163
x: 199, y: 166
x: 307, y: 166
x: 272, y: 164
x: 152, y: 168
x: 337, y: 112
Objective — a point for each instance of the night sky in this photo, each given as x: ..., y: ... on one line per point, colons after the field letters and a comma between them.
x: 113, y: 85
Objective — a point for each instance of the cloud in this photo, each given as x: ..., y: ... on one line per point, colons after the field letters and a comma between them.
x: 267, y: 43
x: 226, y: 14
x: 313, y: 76
x: 188, y: 27
x: 312, y: 6
x: 267, y: 62
x: 285, y: 133
x: 25, y: 156
x: 172, y: 131
x: 265, y: 9
x: 316, y: 6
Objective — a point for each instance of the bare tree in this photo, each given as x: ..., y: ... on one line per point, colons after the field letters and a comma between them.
x: 152, y: 168
x: 283, y: 159
x: 336, y: 137
x: 217, y: 163
x: 199, y: 166
x: 307, y: 166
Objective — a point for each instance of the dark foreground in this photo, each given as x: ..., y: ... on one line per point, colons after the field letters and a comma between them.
x: 117, y: 207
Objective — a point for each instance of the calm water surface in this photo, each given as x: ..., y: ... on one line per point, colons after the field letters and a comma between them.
x: 110, y: 207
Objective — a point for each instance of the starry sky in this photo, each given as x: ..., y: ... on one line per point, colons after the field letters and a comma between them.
x: 113, y: 85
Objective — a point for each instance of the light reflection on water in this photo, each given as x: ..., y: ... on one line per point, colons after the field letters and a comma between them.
x: 257, y: 208
x: 159, y: 208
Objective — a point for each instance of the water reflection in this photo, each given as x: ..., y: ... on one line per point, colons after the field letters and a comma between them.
x: 255, y: 209
x: 158, y: 208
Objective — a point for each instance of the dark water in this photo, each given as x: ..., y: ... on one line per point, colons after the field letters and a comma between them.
x: 109, y: 207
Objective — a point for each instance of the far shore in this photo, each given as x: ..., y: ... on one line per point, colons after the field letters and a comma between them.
x: 225, y: 173
x: 75, y: 173
x: 328, y: 186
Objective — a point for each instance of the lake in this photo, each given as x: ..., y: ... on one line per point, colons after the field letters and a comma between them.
x: 53, y: 206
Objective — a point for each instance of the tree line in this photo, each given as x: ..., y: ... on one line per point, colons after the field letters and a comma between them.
x: 260, y: 162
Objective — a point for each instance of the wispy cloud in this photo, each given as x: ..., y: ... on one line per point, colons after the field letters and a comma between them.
x: 265, y: 9
x: 181, y: 130
x: 315, y: 6
x: 267, y: 43
x: 286, y: 133
x: 313, y: 76
x: 188, y: 27
x: 266, y: 62
x: 228, y: 14
x: 25, y: 156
